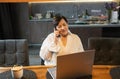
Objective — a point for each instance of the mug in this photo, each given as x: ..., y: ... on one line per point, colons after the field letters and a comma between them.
x: 17, y: 72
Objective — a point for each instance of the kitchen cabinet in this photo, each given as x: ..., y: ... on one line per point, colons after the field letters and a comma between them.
x: 85, y: 31
x: 38, y: 31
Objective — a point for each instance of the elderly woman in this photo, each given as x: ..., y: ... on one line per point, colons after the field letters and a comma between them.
x: 60, y: 42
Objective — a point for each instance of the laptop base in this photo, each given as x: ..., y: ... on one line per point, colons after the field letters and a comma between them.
x: 48, y: 76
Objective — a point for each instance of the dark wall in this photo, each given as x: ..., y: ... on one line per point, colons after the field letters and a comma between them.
x: 23, y: 17
x: 14, y: 20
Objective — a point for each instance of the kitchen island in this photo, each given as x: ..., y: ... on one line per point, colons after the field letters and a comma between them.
x: 39, y: 29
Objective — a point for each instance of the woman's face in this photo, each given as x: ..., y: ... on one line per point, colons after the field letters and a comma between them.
x: 63, y: 27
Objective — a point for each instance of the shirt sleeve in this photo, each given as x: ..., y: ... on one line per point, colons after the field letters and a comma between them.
x: 48, y: 46
x: 79, y: 44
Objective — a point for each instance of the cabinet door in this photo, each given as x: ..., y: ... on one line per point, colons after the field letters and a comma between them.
x: 50, y: 27
x: 37, y: 32
x: 34, y: 32
x: 85, y: 32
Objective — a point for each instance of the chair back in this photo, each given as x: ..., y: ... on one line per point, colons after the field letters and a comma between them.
x: 14, y: 52
x: 107, y: 50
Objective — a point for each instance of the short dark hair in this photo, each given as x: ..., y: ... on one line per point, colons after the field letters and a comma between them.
x: 58, y: 18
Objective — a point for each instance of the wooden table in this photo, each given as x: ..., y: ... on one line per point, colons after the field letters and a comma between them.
x: 99, y: 71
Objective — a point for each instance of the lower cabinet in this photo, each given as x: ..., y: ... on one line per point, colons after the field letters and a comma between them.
x: 85, y: 32
x: 38, y: 31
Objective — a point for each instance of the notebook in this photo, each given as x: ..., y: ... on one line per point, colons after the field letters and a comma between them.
x: 72, y: 66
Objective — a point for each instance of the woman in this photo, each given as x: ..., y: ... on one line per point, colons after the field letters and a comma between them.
x: 60, y: 42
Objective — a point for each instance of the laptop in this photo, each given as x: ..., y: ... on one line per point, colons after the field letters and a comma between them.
x: 73, y: 66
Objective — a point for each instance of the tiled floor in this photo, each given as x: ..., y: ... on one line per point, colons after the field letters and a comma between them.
x: 34, y: 57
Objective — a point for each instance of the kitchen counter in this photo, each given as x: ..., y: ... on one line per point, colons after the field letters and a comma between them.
x: 51, y: 19
x: 72, y: 24
x: 44, y: 20
x: 94, y: 25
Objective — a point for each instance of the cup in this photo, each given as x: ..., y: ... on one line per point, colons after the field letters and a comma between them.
x: 38, y: 15
x: 17, y: 72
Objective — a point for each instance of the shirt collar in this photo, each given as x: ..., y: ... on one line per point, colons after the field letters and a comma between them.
x: 69, y: 32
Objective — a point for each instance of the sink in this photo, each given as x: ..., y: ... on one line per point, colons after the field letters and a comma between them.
x: 79, y: 22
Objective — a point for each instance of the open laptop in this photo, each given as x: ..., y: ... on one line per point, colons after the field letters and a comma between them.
x: 73, y: 66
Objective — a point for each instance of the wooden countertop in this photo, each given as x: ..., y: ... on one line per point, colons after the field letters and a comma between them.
x: 99, y: 71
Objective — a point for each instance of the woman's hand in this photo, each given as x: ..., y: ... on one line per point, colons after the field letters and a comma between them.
x: 48, y: 56
x: 56, y: 32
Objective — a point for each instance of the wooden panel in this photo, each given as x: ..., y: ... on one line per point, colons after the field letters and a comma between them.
x: 14, y: 0
x: 98, y: 72
x: 36, y: 0
x: 54, y: 0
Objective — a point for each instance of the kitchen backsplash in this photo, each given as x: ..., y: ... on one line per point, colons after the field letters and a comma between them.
x: 70, y: 10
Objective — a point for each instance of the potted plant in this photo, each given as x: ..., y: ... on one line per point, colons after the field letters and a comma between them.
x: 112, y: 11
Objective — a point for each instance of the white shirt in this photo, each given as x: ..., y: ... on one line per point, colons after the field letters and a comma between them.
x: 73, y: 45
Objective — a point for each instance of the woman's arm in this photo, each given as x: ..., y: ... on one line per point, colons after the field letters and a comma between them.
x: 48, y: 48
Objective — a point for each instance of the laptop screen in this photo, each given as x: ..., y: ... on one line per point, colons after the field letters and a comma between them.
x: 73, y: 65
